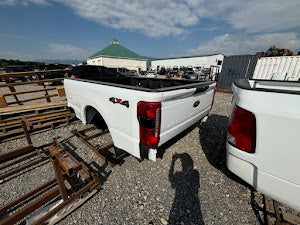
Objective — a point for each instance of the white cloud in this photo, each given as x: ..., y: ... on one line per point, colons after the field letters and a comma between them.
x: 52, y: 51
x: 66, y: 51
x: 154, y: 18
x: 10, y: 54
x: 23, y: 2
x: 10, y: 35
x: 245, y: 44
x: 254, y: 15
x: 158, y: 18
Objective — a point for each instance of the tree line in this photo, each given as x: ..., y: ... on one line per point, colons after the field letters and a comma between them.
x: 11, y: 62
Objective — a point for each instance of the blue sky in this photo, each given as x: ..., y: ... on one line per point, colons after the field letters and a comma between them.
x: 75, y: 29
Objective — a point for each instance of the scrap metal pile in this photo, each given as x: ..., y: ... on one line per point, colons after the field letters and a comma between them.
x: 43, y: 105
x: 73, y: 184
x: 273, y: 51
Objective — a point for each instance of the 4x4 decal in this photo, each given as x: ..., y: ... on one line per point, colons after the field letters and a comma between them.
x: 119, y: 101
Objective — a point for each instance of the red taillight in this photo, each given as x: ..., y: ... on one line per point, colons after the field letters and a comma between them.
x: 242, y: 130
x: 213, y: 99
x: 74, y: 76
x: 148, y: 114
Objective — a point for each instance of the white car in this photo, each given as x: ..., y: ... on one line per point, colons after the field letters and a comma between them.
x: 263, y: 146
x: 151, y: 74
x: 140, y: 113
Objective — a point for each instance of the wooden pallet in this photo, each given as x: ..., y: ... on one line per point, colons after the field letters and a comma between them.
x: 42, y: 117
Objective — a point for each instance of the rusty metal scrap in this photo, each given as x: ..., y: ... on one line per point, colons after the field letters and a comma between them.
x: 42, y: 116
x: 54, y: 190
x: 23, y: 153
x: 281, y: 216
x: 101, y: 152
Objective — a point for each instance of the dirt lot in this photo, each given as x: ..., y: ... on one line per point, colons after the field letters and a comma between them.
x: 188, y: 185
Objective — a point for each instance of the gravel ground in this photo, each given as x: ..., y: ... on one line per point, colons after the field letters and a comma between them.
x: 188, y: 185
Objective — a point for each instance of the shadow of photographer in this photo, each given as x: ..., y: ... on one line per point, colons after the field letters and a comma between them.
x: 186, y: 205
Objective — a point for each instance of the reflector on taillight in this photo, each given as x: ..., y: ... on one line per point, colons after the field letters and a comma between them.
x: 148, y: 114
x: 74, y: 76
x: 242, y: 130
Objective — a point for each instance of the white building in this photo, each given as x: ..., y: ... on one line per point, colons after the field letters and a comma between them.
x: 203, y: 61
x: 116, y: 56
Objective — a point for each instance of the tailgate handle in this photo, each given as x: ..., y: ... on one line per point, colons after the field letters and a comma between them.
x: 196, y: 103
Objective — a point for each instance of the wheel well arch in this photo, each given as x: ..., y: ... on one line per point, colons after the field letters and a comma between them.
x: 93, y: 116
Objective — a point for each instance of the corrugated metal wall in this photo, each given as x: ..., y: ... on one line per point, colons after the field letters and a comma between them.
x: 267, y: 66
x: 234, y: 67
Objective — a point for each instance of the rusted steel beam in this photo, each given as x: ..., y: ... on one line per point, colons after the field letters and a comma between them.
x: 291, y: 218
x: 60, y: 179
x: 26, y: 126
x: 65, y: 203
x: 47, y: 96
x: 100, y: 152
x: 63, y: 162
x: 105, y: 147
x: 82, y: 165
x: 277, y: 212
x: 59, y: 122
x: 11, y: 88
x: 29, y: 82
x: 29, y: 91
x: 31, y: 207
x: 46, y: 92
x: 24, y: 197
x: 37, y: 161
x: 88, y: 129
x: 12, y: 172
x: 97, y: 134
x: 35, y: 118
x: 268, y: 209
x: 60, y: 165
x: 16, y: 153
x: 20, y: 159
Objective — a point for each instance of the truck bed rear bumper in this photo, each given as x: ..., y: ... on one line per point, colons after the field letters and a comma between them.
x: 125, y: 142
x: 278, y: 189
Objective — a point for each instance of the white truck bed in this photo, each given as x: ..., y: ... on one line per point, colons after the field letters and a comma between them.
x: 273, y: 168
x: 183, y: 103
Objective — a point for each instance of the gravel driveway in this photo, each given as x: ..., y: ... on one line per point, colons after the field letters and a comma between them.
x: 188, y: 185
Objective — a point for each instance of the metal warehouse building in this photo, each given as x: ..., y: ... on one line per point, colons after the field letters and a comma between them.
x: 203, y: 61
x: 234, y: 67
x: 116, y: 55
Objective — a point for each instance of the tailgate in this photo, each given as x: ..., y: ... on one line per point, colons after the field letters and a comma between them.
x: 184, y: 107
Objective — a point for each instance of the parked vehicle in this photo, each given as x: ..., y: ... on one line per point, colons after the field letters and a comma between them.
x: 263, y: 138
x: 123, y: 71
x: 190, y: 75
x: 56, y: 66
x: 15, y: 69
x: 133, y: 72
x: 151, y: 73
x: 173, y: 74
x: 90, y: 71
x: 140, y: 113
